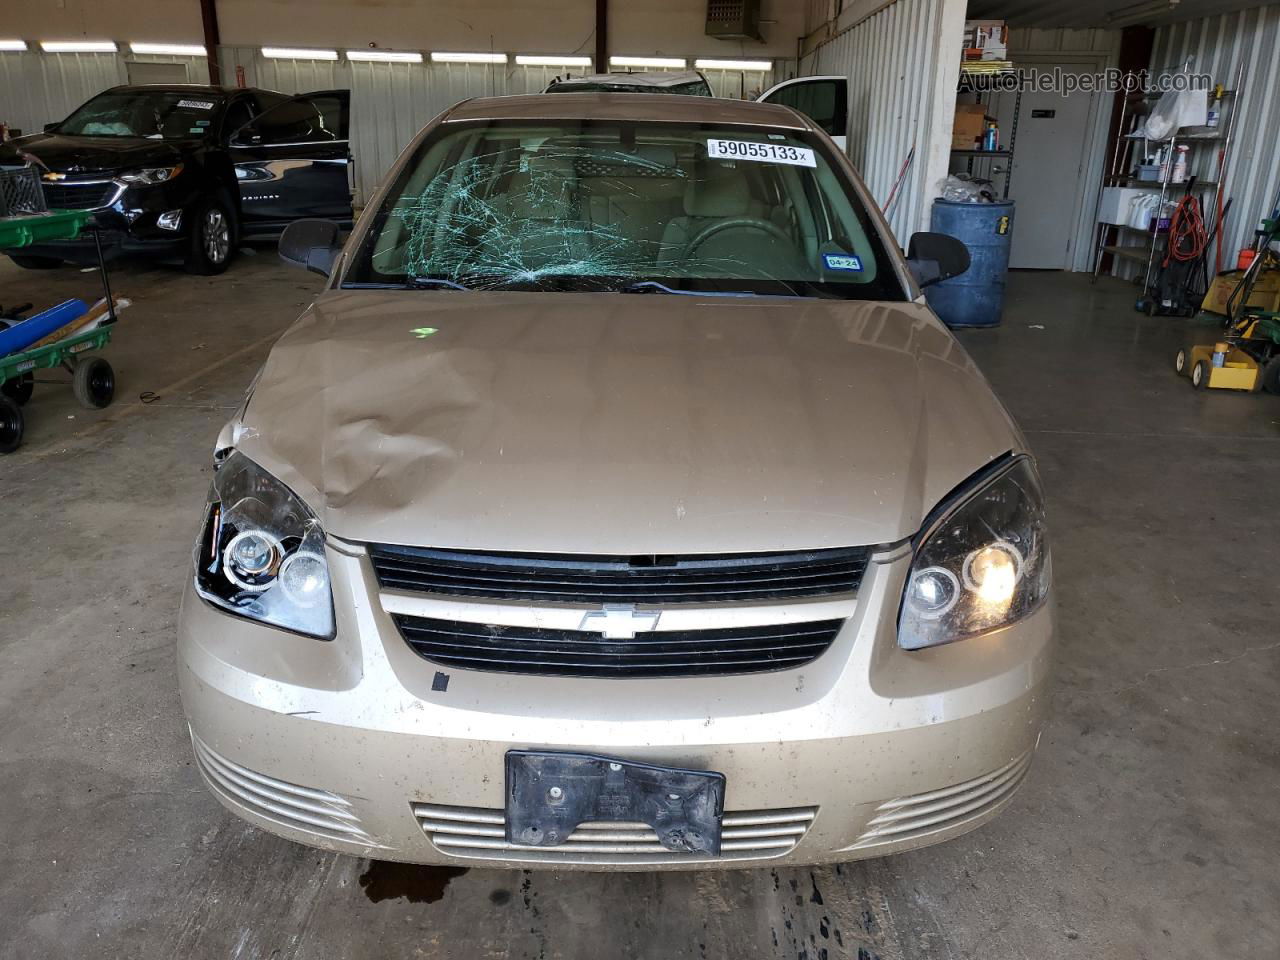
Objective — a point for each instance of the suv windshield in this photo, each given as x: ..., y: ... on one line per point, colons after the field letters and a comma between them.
x: 153, y: 114
x: 599, y: 205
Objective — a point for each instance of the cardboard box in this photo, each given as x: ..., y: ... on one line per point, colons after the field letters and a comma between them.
x: 986, y: 40
x: 969, y: 125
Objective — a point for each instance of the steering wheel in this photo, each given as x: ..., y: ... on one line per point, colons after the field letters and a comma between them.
x: 734, y: 223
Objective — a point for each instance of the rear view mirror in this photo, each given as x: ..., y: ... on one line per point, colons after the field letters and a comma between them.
x: 313, y: 244
x: 934, y: 257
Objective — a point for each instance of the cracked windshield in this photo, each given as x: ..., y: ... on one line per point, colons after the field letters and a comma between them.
x: 634, y: 207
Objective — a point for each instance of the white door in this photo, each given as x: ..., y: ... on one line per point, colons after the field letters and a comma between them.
x: 1048, y: 172
x: 824, y: 100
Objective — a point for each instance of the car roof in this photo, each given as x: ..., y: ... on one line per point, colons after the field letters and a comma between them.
x: 629, y: 106
x: 206, y: 88
x: 639, y: 79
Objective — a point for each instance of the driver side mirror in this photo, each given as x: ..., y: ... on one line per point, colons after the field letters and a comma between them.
x: 934, y: 257
x: 312, y: 244
x: 50, y: 127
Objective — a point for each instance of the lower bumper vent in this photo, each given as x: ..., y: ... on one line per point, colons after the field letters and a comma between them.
x: 583, y: 653
x: 317, y: 812
x: 910, y: 818
x: 480, y: 834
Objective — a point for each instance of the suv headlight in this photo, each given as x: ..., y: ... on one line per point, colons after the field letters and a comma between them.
x: 150, y: 175
x: 982, y: 565
x: 261, y: 552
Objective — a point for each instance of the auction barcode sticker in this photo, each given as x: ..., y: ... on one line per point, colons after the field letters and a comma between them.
x: 196, y: 104
x: 761, y: 152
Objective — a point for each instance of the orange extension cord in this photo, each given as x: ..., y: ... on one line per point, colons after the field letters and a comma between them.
x: 1187, y: 235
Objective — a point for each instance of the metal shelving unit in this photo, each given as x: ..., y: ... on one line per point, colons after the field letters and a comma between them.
x: 971, y: 83
x: 1144, y: 245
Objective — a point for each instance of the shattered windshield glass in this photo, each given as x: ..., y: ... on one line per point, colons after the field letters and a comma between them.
x: 154, y: 114
x: 594, y: 205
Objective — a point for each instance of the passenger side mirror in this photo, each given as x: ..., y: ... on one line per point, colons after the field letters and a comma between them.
x: 934, y: 257
x: 312, y: 244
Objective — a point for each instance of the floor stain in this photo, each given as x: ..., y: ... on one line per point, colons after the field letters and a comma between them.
x: 416, y: 883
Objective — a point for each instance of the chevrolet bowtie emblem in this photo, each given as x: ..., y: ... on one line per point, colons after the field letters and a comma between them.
x: 55, y: 176
x: 620, y: 621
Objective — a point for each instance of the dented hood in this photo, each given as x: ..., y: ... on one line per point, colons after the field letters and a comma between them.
x: 620, y: 424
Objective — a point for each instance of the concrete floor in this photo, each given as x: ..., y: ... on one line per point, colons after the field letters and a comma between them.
x: 1148, y: 827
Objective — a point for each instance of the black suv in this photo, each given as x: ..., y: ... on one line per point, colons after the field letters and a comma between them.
x: 185, y: 170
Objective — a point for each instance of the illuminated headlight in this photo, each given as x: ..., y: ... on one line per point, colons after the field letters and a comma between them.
x: 261, y: 552
x: 983, y: 565
x: 150, y: 175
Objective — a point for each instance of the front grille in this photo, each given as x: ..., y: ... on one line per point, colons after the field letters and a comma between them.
x: 570, y: 578
x: 918, y: 816
x: 480, y: 834
x: 73, y: 196
x: 585, y: 653
x: 317, y: 812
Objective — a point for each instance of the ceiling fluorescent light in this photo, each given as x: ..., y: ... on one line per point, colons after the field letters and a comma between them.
x: 549, y: 61
x: 1136, y: 13
x: 385, y: 56
x: 297, y: 53
x: 13, y: 46
x: 168, y: 49
x: 437, y: 57
x: 647, y: 62
x: 77, y: 46
x: 733, y: 64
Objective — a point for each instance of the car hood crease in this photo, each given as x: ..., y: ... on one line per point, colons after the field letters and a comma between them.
x: 605, y: 423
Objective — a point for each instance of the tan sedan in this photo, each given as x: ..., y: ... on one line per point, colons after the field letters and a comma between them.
x: 619, y: 504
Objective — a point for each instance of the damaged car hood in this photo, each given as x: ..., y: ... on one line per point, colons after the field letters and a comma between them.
x: 619, y: 424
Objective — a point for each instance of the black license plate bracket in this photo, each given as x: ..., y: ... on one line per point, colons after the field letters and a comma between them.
x: 550, y: 793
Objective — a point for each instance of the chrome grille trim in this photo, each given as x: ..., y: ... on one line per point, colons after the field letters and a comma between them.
x: 317, y: 812
x: 908, y: 818
x: 480, y: 834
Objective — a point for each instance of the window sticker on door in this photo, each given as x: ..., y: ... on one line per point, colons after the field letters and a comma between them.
x: 761, y: 152
x: 196, y: 104
x: 203, y: 123
x: 841, y: 261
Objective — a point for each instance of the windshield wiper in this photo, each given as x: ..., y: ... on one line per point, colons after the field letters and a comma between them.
x: 653, y: 286
x: 429, y: 283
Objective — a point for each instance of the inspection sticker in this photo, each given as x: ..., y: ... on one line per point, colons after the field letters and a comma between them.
x: 840, y: 261
x: 761, y: 152
x: 196, y: 104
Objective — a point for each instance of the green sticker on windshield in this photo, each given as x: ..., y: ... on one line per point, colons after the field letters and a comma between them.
x: 423, y: 332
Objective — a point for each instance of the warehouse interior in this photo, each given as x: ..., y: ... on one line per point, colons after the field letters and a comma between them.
x: 1127, y: 331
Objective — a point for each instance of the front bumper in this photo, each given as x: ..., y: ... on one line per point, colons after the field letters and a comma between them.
x: 867, y: 750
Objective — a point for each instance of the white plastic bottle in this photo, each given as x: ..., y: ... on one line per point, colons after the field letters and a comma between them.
x: 1180, y: 165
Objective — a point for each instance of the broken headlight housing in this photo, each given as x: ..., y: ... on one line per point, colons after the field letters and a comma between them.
x: 982, y: 565
x: 261, y: 552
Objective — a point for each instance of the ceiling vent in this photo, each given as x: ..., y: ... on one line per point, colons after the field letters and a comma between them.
x: 734, y: 20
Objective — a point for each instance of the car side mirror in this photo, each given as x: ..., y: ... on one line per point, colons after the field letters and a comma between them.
x: 934, y: 257
x: 246, y: 136
x: 312, y: 244
x: 50, y: 127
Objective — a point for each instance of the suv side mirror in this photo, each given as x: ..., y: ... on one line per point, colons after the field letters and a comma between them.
x: 246, y: 136
x: 50, y: 127
x: 934, y: 257
x: 312, y: 244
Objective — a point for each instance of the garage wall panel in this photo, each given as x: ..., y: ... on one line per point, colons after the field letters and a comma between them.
x: 40, y: 88
x: 1220, y: 46
x: 902, y: 63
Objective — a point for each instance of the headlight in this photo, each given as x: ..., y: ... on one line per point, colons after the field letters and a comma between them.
x: 150, y: 175
x: 261, y: 552
x: 981, y: 566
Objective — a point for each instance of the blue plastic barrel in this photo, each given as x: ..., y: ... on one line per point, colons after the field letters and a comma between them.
x: 976, y: 297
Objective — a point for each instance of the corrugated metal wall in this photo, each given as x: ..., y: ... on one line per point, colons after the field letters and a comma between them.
x: 902, y: 63
x: 390, y: 101
x: 1219, y: 46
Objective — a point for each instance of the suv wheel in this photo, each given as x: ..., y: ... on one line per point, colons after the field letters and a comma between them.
x: 213, y: 237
